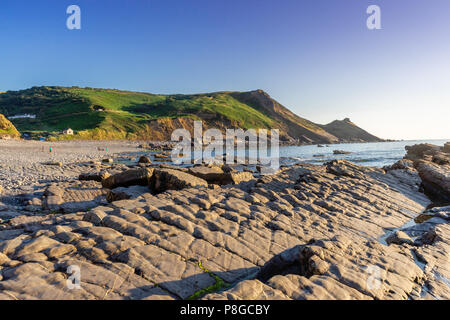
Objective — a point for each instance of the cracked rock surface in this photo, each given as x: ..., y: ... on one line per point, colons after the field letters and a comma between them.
x: 307, y: 232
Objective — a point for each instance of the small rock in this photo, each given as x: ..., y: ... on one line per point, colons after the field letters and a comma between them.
x: 399, y: 237
x: 341, y: 152
x: 144, y: 159
x: 99, y: 177
x: 403, y: 164
x: 56, y: 163
x: 238, y: 177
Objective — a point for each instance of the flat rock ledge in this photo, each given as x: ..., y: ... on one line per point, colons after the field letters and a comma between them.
x: 307, y: 232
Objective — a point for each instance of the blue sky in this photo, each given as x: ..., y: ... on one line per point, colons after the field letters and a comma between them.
x: 316, y: 57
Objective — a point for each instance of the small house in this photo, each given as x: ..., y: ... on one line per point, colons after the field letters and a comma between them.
x: 68, y: 132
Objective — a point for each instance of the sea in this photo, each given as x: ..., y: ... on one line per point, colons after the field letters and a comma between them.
x: 375, y: 154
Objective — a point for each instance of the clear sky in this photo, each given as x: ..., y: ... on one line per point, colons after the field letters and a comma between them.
x: 316, y: 57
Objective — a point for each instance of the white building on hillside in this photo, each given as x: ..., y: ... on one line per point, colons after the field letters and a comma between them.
x: 68, y: 132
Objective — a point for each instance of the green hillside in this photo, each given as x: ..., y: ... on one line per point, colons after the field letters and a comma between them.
x: 120, y: 114
x: 115, y: 114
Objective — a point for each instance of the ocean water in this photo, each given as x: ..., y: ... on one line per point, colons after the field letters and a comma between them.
x: 377, y: 154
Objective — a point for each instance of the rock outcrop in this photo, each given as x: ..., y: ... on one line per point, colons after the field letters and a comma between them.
x: 128, y: 178
x: 420, y: 151
x: 433, y: 165
x: 435, y: 179
x: 169, y: 179
x: 216, y: 175
x: 308, y: 232
x: 212, y: 174
x: 97, y: 176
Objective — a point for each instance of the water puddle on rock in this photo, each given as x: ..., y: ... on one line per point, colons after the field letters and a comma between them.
x: 416, y: 228
x: 389, y: 231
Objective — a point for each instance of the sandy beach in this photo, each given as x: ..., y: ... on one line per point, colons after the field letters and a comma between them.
x: 24, y: 163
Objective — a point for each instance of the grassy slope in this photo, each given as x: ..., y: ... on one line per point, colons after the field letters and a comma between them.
x: 125, y: 114
x: 7, y: 128
x: 290, y: 123
x: 132, y: 115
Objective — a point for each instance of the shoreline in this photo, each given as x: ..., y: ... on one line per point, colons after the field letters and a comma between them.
x: 306, y: 232
x: 23, y: 162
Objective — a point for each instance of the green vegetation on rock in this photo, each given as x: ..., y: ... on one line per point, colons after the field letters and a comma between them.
x: 7, y: 128
x: 218, y: 286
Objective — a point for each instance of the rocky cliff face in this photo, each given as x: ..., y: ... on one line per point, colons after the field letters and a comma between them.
x: 294, y: 126
x: 433, y: 165
x: 7, y: 129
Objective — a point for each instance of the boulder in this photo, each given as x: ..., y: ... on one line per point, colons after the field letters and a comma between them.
x: 403, y: 164
x: 441, y: 158
x: 170, y: 166
x: 399, y: 237
x: 446, y: 147
x: 169, y: 179
x: 53, y: 197
x: 435, y: 180
x: 161, y: 156
x: 54, y: 190
x: 95, y: 216
x: 226, y: 168
x: 238, y: 177
x: 216, y: 175
x: 212, y: 174
x: 99, y: 176
x: 340, y: 152
x: 108, y: 160
x: 125, y: 193
x: 128, y: 178
x: 344, y: 168
x: 144, y: 159
x: 54, y: 163
x: 419, y: 151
